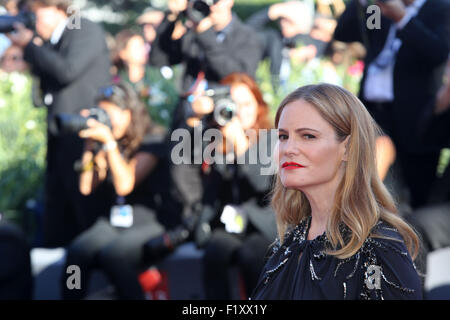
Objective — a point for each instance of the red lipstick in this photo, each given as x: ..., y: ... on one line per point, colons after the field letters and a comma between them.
x: 291, y: 165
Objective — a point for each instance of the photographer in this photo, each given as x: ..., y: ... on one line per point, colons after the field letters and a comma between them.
x: 126, y: 179
x: 211, y: 44
x: 302, y: 36
x: 295, y: 20
x: 401, y: 76
x: 155, y: 90
x: 71, y: 63
x: 235, y: 203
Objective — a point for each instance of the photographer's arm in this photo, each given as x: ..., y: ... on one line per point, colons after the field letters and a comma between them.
x: 93, y: 170
x: 125, y: 174
x: 83, y: 47
x: 235, y: 137
x: 349, y: 25
x: 87, y: 173
x: 165, y: 50
x: 430, y: 42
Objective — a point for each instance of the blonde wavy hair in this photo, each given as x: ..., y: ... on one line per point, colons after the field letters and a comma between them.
x: 361, y: 199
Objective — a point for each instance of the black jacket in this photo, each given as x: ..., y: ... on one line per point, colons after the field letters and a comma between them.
x: 72, y: 72
x: 239, y: 52
x: 301, y: 269
x: 424, y: 50
x: 74, y: 69
x: 244, y: 185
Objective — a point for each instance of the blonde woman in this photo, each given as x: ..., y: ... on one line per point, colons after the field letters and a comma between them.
x: 339, y: 233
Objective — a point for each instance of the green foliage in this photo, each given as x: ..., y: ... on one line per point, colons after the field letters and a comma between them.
x: 315, y: 71
x: 22, y: 143
x: 444, y: 161
x: 161, y: 97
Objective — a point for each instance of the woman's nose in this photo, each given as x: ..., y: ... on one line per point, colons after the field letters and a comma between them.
x: 289, y: 148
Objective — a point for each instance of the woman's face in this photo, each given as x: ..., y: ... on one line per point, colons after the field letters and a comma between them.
x: 309, y: 153
x: 12, y: 60
x: 247, y: 105
x: 135, y: 52
x: 120, y: 119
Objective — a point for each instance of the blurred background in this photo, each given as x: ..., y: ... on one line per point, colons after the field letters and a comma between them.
x: 283, y: 47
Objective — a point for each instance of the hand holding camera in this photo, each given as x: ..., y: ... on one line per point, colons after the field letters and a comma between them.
x: 193, y: 13
x: 394, y: 10
x: 96, y: 135
x: 97, y: 131
x: 22, y: 36
x: 235, y: 136
x: 177, y: 6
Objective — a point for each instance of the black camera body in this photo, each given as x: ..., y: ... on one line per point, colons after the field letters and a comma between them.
x: 197, y: 10
x: 72, y: 123
x: 25, y: 17
x: 289, y: 43
x: 224, y: 106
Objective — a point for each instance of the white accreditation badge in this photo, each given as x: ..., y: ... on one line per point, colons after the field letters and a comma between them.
x: 235, y: 219
x: 121, y: 214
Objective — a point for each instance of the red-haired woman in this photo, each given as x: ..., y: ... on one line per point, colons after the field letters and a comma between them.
x: 235, y: 193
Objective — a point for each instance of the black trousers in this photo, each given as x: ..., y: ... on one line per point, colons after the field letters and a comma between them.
x: 116, y: 251
x: 432, y: 223
x: 16, y: 281
x: 223, y: 251
x: 64, y: 212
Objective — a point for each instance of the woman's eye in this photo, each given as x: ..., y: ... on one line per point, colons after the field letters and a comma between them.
x: 308, y: 136
x: 282, y: 137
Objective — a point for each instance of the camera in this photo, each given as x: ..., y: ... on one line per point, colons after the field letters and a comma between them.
x: 224, y: 106
x: 197, y: 10
x: 7, y: 22
x: 72, y: 123
x: 289, y: 43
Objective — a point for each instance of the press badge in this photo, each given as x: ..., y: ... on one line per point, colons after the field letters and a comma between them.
x: 121, y: 216
x: 234, y: 219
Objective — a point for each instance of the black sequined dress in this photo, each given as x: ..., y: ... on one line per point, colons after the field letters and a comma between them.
x: 299, y: 269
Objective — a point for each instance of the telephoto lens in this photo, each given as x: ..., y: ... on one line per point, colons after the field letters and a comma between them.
x: 25, y: 17
x: 73, y: 123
